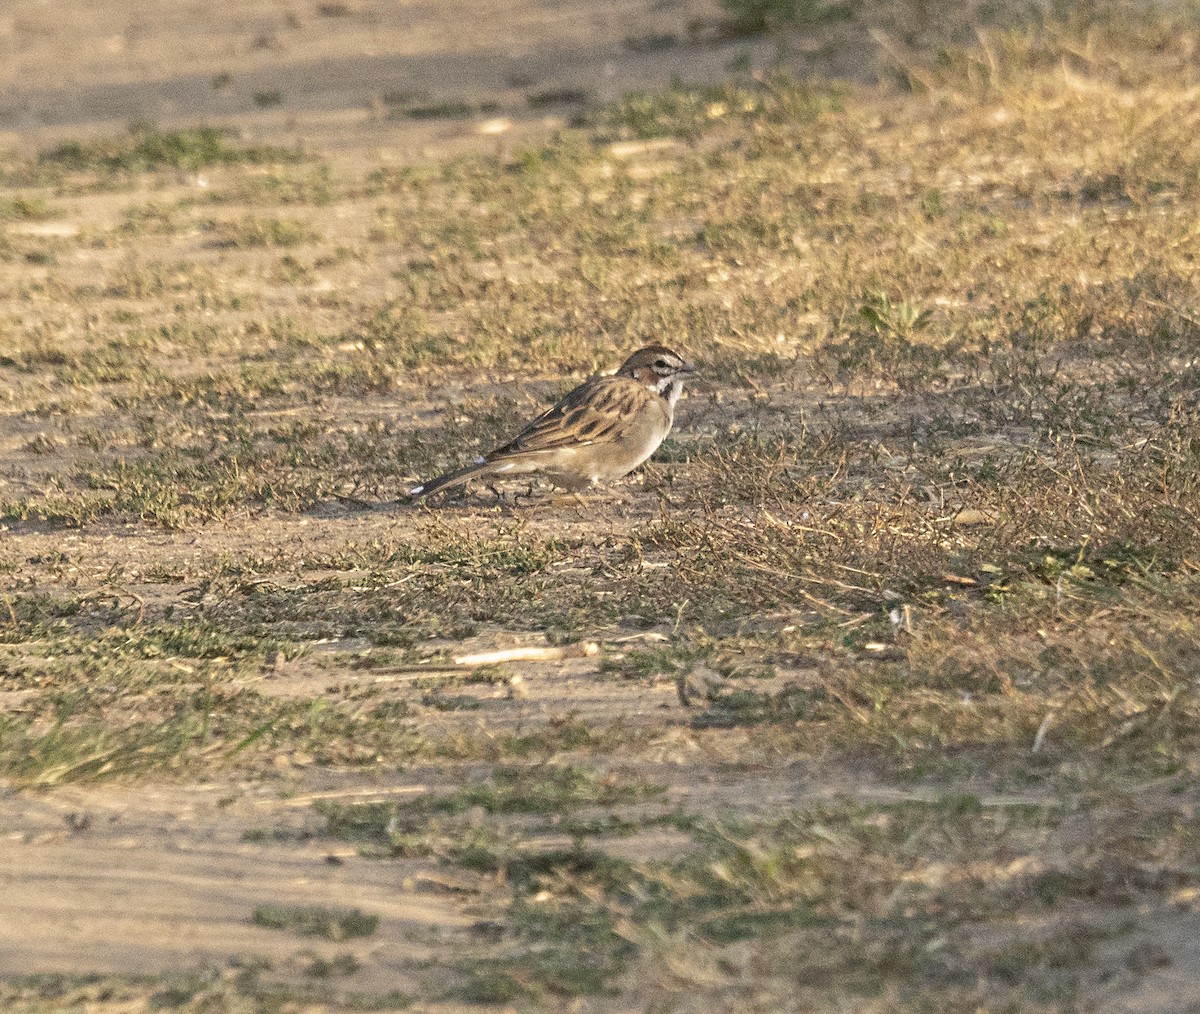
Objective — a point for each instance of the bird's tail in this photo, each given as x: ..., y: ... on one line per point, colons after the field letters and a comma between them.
x: 451, y: 479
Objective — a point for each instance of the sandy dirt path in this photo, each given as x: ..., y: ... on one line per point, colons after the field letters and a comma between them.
x: 146, y: 881
x: 330, y: 76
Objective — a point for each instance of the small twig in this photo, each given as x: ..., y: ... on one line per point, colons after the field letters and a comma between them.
x: 967, y: 582
x: 1040, y: 738
x: 679, y: 617
x: 821, y: 602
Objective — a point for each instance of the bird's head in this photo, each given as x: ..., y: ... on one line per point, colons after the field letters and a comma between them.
x: 659, y: 368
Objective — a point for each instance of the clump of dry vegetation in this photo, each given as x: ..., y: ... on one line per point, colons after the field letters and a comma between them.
x: 929, y: 522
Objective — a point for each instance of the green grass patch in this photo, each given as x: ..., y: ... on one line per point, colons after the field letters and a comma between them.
x: 317, y: 921
x: 147, y: 149
x: 790, y: 888
x: 254, y: 231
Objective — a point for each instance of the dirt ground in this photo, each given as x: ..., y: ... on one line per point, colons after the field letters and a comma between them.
x: 93, y: 69
x: 147, y: 878
x: 150, y: 881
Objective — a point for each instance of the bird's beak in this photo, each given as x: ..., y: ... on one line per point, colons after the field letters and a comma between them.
x: 688, y: 367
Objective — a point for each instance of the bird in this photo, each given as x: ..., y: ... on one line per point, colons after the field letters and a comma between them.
x: 599, y: 432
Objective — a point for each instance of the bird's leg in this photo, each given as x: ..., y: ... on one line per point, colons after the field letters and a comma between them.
x: 593, y: 494
x: 530, y: 496
x: 525, y: 499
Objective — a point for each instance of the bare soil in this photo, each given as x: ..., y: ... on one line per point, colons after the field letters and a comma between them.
x: 93, y: 69
x: 152, y: 880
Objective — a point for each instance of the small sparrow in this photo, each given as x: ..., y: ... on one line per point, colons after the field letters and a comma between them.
x: 601, y: 431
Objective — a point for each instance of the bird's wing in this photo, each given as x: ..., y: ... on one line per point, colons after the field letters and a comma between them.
x: 594, y: 412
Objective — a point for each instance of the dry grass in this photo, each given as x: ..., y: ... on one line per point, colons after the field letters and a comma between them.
x: 930, y: 518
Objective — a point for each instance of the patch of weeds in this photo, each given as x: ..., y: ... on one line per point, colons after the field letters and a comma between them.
x: 557, y: 97
x: 752, y: 17
x: 22, y: 208
x: 259, y: 835
x: 451, y: 702
x: 539, y: 789
x: 184, y: 987
x: 256, y: 231
x: 328, y: 968
x: 578, y: 920
x: 50, y: 985
x: 648, y: 663
x: 284, y: 185
x: 542, y: 789
x: 1049, y: 967
x: 566, y: 952
x: 892, y: 344
x: 451, y: 109
x: 154, y: 218
x: 733, y: 705
x: 568, y: 733
x: 83, y: 749
x: 249, y: 985
x: 317, y: 921
x: 678, y: 112
x: 147, y: 149
x: 176, y: 488
x: 655, y: 42
x: 742, y: 63
x: 292, y: 271
x: 57, y: 511
x: 400, y: 334
x: 360, y: 1001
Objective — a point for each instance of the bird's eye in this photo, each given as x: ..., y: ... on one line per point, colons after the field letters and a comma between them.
x: 661, y: 364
